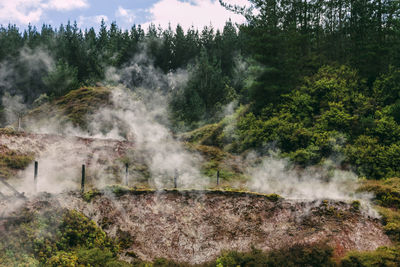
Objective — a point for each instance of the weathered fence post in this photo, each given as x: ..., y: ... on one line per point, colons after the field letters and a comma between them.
x: 35, y: 176
x: 126, y: 173
x: 176, y: 179
x: 217, y: 177
x: 83, y: 179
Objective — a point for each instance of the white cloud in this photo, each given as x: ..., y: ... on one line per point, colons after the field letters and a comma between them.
x: 89, y: 21
x: 198, y: 13
x: 31, y: 11
x: 66, y: 5
x: 127, y: 15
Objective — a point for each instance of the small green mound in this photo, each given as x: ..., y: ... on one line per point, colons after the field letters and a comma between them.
x: 77, y: 104
x: 73, y: 107
x: 12, y: 161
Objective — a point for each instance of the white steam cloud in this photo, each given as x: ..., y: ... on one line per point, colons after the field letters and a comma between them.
x: 135, y: 127
x: 276, y: 175
x: 136, y: 119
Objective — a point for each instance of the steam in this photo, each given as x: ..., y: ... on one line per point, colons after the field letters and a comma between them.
x: 130, y: 116
x: 134, y: 129
x: 14, y: 107
x: 274, y: 175
x: 29, y: 65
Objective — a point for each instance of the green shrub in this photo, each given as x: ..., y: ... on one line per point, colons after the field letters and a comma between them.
x: 77, y: 230
x: 298, y: 255
x: 381, y: 257
x: 387, y: 192
x: 63, y: 258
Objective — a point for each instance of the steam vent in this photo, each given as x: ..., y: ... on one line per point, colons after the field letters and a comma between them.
x: 196, y: 226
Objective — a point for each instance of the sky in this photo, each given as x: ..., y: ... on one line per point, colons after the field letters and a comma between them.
x: 89, y: 13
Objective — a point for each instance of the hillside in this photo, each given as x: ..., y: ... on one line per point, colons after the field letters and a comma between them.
x: 201, y: 226
x: 197, y: 226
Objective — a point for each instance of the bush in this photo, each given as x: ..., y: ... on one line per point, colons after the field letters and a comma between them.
x: 381, y: 257
x: 77, y: 230
x: 298, y: 255
x: 63, y: 258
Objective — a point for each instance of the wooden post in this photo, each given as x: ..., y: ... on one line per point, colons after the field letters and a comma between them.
x: 35, y: 175
x: 126, y: 173
x: 217, y: 177
x: 176, y: 179
x: 83, y: 179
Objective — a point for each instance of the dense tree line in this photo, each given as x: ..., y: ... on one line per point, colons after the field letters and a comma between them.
x: 85, y: 54
x: 320, y: 78
x: 294, y: 38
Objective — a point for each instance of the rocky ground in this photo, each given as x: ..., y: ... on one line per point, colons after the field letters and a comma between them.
x: 196, y: 226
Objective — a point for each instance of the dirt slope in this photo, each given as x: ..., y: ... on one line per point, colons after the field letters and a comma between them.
x: 195, y: 226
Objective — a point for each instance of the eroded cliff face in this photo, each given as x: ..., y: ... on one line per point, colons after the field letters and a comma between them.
x: 196, y: 226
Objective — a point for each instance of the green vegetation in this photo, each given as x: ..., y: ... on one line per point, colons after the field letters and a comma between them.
x: 381, y: 257
x: 298, y: 255
x: 314, y: 89
x: 61, y: 238
x: 12, y: 161
x: 387, y: 192
x: 73, y: 107
x: 387, y: 195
